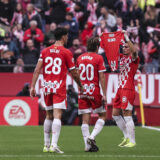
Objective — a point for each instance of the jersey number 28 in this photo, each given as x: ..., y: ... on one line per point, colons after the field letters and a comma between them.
x: 55, y: 63
x: 89, y: 69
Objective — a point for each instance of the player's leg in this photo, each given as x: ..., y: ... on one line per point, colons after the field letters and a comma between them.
x: 98, y: 125
x: 47, y: 129
x: 56, y: 125
x: 116, y: 114
x: 85, y: 129
x: 127, y: 107
x: 48, y: 121
x: 130, y: 128
x: 85, y: 110
x: 98, y: 108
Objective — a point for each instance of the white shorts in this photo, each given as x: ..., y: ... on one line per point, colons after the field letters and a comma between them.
x: 90, y: 110
x: 61, y: 105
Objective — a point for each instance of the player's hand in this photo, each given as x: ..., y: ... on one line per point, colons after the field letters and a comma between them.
x: 81, y: 89
x: 32, y: 92
x: 104, y: 101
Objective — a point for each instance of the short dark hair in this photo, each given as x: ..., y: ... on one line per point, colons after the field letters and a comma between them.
x: 59, y: 32
x: 70, y: 14
x: 92, y: 44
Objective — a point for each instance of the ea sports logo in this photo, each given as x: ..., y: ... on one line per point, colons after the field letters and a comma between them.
x: 124, y: 99
x: 17, y: 112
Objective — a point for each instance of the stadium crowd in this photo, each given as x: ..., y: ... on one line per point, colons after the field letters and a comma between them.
x: 27, y: 26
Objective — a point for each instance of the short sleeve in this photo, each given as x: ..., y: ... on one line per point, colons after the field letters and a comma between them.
x: 70, y: 60
x: 41, y: 57
x: 101, y: 65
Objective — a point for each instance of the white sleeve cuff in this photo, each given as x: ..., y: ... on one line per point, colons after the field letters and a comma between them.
x: 72, y: 68
x: 102, y: 70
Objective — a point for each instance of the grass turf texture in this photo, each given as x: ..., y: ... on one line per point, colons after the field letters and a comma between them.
x: 26, y: 143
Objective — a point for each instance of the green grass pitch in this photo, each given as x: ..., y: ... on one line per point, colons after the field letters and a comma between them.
x: 26, y: 143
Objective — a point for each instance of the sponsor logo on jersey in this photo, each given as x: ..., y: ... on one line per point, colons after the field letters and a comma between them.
x: 17, y: 112
x: 89, y: 88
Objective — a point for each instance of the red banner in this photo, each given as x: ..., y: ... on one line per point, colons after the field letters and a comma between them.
x: 11, y: 84
x: 18, y: 111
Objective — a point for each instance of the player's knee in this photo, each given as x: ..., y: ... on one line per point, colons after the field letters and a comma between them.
x: 116, y: 112
x: 127, y: 113
x: 49, y: 115
x: 58, y: 113
x: 102, y: 116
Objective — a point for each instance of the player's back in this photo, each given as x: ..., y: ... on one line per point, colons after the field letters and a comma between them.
x: 56, y: 61
x: 90, y: 64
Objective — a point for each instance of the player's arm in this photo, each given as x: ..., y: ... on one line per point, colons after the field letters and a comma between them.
x: 75, y: 75
x: 102, y: 79
x: 35, y: 77
x: 131, y: 46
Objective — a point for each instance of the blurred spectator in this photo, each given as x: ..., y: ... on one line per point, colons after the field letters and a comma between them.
x: 19, y: 67
x: 18, y: 34
x: 135, y: 12
x: 110, y: 19
x: 2, y: 33
x: 87, y: 33
x: 79, y: 14
x: 91, y: 8
x: 119, y: 22
x: 41, y: 6
x: 11, y: 45
x: 71, y: 24
x: 143, y: 3
x: 49, y: 38
x: 35, y: 34
x: 18, y: 15
x: 24, y: 4
x: 154, y: 54
x: 25, y: 90
x: 30, y: 15
x: 30, y: 56
x: 77, y: 49
x: 6, y: 13
x: 100, y: 28
x: 7, y: 60
x: 58, y: 11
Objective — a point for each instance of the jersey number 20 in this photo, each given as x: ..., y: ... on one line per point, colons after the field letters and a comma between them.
x: 89, y: 69
x: 55, y: 63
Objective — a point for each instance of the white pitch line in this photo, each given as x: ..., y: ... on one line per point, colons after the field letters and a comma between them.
x: 152, y: 128
x: 80, y: 156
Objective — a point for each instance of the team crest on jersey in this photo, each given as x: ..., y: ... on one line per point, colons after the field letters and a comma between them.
x: 124, y: 99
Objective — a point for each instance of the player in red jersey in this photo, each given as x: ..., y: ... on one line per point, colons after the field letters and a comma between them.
x: 91, y: 69
x: 55, y: 62
x: 125, y: 96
